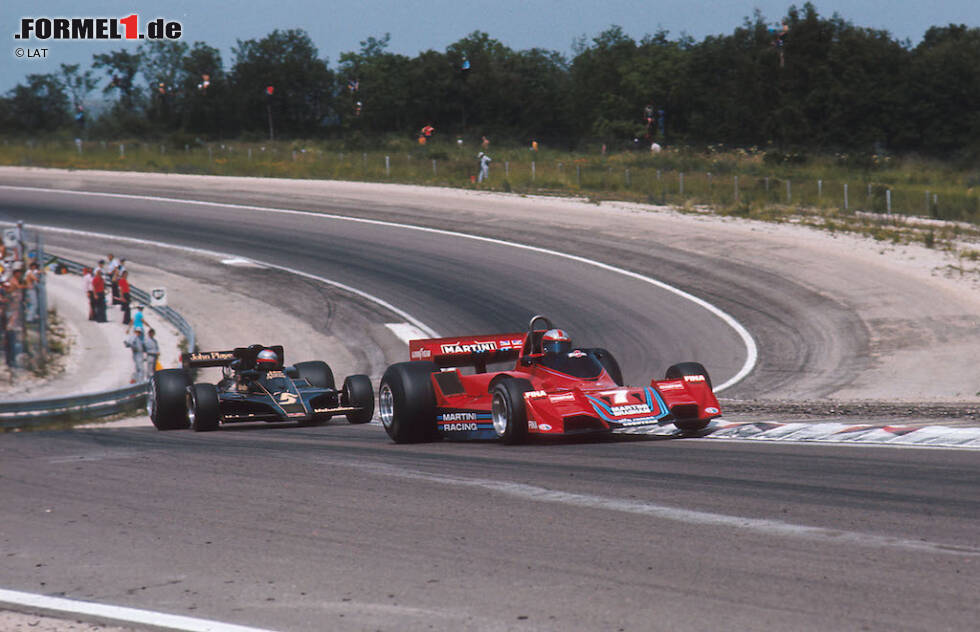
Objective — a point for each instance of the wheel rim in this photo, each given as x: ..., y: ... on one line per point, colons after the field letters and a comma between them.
x: 386, y: 405
x: 500, y: 414
x: 191, y: 413
x: 151, y: 399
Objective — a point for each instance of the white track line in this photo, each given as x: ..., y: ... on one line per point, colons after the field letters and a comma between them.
x: 589, y: 501
x: 118, y: 613
x: 752, y: 352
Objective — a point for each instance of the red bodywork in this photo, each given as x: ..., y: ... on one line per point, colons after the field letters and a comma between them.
x: 560, y: 403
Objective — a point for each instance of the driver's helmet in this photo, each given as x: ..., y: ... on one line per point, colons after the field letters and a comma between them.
x: 555, y: 341
x: 266, y: 360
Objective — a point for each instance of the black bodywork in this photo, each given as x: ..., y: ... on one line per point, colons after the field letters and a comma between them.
x: 280, y: 393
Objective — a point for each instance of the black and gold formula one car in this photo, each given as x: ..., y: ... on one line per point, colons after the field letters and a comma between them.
x: 255, y: 385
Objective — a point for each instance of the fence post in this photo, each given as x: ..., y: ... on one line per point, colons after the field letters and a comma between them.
x: 78, y: 145
x: 736, y: 189
x: 507, y: 168
x: 888, y: 201
x: 532, y: 171
x: 819, y: 189
x: 682, y: 183
x: 789, y: 191
x: 767, y: 184
x: 122, y: 150
x: 250, y: 154
x: 387, y: 166
x: 578, y: 175
x: 210, y: 153
x: 927, y: 202
x: 627, y: 178
x: 434, y: 167
x: 845, y: 197
x: 42, y: 301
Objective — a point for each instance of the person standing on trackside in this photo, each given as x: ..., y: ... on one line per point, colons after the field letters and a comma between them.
x: 484, y: 167
x: 32, y: 280
x: 124, y: 296
x: 98, y: 292
x: 138, y: 318
x: 14, y: 291
x: 152, y: 349
x: 136, y: 343
x: 87, y: 280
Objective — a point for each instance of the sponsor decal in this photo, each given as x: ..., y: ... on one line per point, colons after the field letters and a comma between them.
x: 296, y: 414
x: 711, y: 410
x: 459, y: 417
x: 285, y: 398
x: 638, y: 421
x: 532, y: 425
x: 421, y: 354
x: 544, y: 427
x: 473, y: 347
x: 535, y: 394
x: 577, y: 354
x: 631, y: 409
x: 567, y: 397
x: 694, y: 378
x: 460, y: 427
x: 671, y: 386
x: 210, y: 356
x: 620, y: 396
x: 322, y: 410
x: 275, y: 374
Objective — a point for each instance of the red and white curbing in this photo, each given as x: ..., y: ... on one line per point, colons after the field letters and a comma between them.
x: 832, y: 432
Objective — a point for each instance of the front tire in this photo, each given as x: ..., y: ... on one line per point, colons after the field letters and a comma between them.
x: 165, y: 401
x: 202, y: 407
x: 677, y: 372
x: 358, y: 393
x: 407, y: 402
x: 509, y: 410
x: 317, y: 373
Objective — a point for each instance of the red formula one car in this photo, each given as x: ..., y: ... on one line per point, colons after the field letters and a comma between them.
x: 553, y: 389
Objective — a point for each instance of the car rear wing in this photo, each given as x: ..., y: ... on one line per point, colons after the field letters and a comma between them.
x: 246, y: 355
x: 475, y: 351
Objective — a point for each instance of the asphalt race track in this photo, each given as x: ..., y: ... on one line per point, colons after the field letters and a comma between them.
x: 334, y: 527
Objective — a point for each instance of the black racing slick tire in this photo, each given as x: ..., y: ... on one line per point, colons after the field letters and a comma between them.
x: 609, y: 363
x: 317, y: 373
x: 407, y: 402
x: 165, y: 401
x: 202, y: 407
x: 358, y: 393
x: 509, y: 410
x: 677, y: 372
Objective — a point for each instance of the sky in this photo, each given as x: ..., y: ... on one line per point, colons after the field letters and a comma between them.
x: 337, y: 27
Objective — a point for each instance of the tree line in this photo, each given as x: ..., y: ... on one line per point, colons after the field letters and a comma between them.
x: 810, y: 82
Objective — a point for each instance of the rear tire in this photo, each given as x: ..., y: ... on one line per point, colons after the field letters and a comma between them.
x: 677, y: 372
x: 202, y: 407
x: 358, y: 393
x: 317, y: 373
x: 509, y: 410
x: 165, y: 402
x: 407, y: 402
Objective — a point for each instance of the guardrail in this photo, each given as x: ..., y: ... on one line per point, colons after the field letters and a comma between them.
x: 25, y: 412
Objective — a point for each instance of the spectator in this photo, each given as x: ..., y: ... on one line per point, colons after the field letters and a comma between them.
x: 31, y: 282
x: 109, y: 276
x: 116, y: 275
x: 136, y: 343
x: 14, y: 291
x: 484, y: 167
x: 98, y: 291
x: 138, y: 318
x: 124, y: 296
x: 87, y: 280
x: 152, y: 348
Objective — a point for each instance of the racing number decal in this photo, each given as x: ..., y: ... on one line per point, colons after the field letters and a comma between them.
x: 620, y: 396
x: 286, y: 398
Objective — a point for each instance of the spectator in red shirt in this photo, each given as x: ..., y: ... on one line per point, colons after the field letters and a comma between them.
x: 124, y: 295
x: 98, y: 290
